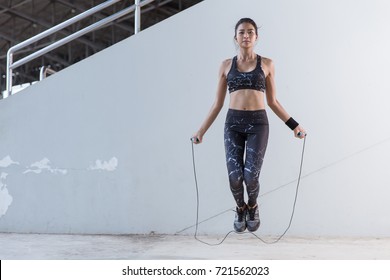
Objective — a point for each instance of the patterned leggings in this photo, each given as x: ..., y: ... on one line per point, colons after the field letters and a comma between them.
x: 246, y: 138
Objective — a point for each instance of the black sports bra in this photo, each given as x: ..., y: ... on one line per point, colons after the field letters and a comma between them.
x: 246, y: 80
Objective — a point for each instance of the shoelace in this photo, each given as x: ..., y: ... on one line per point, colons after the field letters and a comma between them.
x: 240, y: 215
x: 252, y: 213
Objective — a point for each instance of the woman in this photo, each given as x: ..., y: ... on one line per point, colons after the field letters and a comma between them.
x: 248, y: 77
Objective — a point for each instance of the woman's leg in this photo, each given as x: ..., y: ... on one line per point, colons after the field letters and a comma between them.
x: 255, y: 151
x: 234, y: 149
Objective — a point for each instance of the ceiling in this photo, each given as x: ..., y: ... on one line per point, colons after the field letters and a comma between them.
x: 22, y: 19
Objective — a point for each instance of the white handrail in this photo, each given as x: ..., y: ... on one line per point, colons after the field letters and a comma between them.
x: 12, y: 65
x: 44, y: 71
x: 137, y: 17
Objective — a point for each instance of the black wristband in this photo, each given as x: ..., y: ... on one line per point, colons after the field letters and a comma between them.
x: 291, y: 123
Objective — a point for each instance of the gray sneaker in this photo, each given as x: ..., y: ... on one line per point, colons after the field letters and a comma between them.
x: 252, y: 218
x: 239, y: 220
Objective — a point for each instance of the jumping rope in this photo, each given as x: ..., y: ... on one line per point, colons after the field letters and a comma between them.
x: 232, y: 231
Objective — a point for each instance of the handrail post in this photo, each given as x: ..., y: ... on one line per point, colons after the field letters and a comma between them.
x: 8, y: 79
x: 137, y: 16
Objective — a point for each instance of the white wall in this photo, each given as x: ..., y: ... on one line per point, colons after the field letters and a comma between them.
x: 85, y: 152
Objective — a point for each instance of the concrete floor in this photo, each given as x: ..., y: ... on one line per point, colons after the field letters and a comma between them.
x: 178, y: 247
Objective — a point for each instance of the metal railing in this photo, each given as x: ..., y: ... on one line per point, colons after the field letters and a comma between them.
x: 44, y: 71
x: 11, y: 65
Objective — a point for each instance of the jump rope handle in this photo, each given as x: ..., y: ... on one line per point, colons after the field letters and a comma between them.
x: 298, y: 134
x: 194, y: 139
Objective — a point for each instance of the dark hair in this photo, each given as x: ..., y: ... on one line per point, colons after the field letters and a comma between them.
x: 245, y: 20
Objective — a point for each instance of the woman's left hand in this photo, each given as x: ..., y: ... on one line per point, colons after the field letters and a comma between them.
x: 300, y: 132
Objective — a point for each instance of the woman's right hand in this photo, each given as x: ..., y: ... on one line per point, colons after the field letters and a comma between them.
x: 197, y: 138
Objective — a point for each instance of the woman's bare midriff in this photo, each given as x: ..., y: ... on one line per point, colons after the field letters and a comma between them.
x: 247, y: 100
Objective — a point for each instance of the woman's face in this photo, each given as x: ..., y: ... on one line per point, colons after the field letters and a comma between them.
x: 246, y: 35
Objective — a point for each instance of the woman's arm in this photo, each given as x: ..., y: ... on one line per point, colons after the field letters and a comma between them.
x: 272, y: 101
x: 217, y: 105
